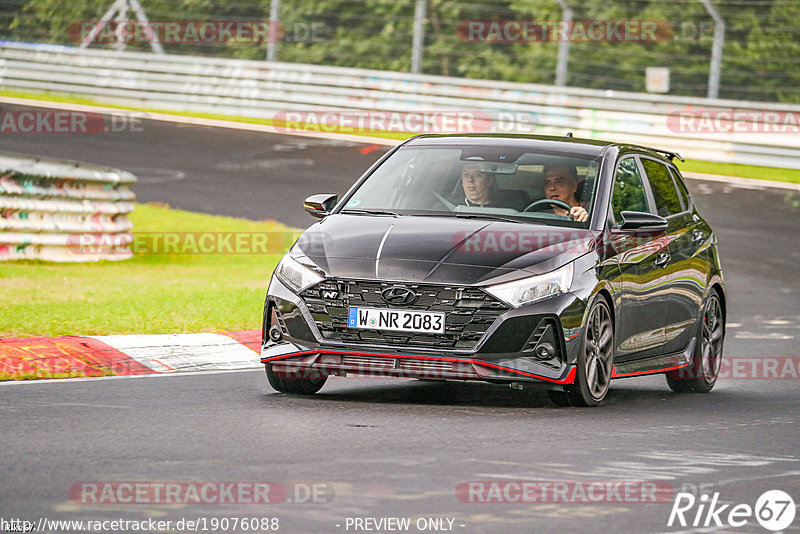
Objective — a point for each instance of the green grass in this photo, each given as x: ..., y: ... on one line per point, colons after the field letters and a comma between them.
x: 743, y: 171
x: 40, y: 373
x: 708, y: 167
x: 152, y: 293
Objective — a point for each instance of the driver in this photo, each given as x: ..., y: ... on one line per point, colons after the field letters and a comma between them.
x: 480, y: 189
x: 560, y: 183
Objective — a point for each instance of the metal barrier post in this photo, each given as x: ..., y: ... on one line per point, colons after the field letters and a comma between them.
x: 272, y: 41
x: 419, y: 36
x: 563, y: 45
x: 716, y: 50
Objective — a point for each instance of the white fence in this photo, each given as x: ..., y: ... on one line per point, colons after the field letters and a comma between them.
x: 63, y: 211
x: 759, y: 133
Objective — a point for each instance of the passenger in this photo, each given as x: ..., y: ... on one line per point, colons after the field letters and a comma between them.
x: 480, y: 189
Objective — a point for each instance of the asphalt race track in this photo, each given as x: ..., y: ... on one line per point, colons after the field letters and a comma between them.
x: 214, y: 170
x: 398, y: 448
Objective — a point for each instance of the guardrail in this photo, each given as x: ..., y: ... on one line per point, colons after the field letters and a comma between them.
x: 761, y: 134
x: 64, y: 211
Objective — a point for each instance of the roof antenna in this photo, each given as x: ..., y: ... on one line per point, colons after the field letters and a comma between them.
x: 569, y: 134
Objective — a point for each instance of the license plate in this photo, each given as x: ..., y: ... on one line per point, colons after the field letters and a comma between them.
x: 396, y: 320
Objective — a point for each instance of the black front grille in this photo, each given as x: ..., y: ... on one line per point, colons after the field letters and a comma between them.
x: 469, y: 312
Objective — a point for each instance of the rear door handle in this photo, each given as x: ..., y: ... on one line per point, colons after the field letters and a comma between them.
x: 662, y: 259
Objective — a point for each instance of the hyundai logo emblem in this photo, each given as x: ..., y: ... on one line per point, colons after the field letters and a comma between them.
x: 398, y: 295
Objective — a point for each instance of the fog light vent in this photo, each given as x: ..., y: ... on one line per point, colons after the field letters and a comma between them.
x: 544, y: 351
x: 275, y: 333
x: 542, y: 343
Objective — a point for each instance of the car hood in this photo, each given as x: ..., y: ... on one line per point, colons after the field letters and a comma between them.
x: 439, y: 249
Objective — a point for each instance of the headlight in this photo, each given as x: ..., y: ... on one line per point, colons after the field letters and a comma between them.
x: 297, y: 272
x: 528, y: 290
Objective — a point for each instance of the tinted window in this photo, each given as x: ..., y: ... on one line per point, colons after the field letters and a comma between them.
x: 444, y: 181
x: 663, y: 188
x: 681, y: 188
x: 628, y: 189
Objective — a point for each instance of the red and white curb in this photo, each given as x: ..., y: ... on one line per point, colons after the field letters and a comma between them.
x: 29, y: 358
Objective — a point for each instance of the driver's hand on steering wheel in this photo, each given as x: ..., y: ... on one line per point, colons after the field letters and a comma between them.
x: 578, y: 214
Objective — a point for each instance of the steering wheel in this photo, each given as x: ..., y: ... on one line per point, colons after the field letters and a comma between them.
x: 539, y: 204
x: 446, y: 203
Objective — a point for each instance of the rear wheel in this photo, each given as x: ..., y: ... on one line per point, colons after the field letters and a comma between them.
x: 299, y: 382
x: 595, y: 361
x: 701, y: 375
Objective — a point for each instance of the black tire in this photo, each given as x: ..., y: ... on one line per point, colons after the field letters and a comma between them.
x: 701, y: 375
x: 295, y: 382
x: 595, y: 360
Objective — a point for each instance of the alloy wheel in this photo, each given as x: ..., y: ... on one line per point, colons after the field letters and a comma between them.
x: 702, y: 372
x: 598, y: 350
x: 595, y: 361
x: 711, y: 341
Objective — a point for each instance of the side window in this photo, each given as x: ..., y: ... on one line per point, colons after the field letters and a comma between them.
x: 663, y: 188
x: 628, y: 192
x: 684, y: 194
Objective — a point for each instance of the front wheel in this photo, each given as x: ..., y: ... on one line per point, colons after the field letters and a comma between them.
x: 701, y: 375
x: 299, y: 382
x: 595, y: 360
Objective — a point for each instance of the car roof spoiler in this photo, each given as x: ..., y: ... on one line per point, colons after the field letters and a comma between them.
x: 670, y: 155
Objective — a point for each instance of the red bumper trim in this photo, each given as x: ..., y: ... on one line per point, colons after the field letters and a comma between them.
x: 615, y: 374
x: 569, y: 379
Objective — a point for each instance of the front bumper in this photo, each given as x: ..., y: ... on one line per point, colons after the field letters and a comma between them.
x: 505, y: 352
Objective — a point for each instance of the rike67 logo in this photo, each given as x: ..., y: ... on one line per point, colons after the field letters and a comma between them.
x: 774, y: 510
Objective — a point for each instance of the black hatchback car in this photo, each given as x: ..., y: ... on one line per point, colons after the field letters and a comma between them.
x: 514, y: 259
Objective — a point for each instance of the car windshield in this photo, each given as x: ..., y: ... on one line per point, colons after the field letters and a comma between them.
x: 492, y: 182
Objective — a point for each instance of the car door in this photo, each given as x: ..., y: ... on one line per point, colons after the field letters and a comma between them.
x: 688, y: 269
x: 641, y: 256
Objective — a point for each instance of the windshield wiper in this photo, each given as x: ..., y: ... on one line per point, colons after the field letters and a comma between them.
x: 372, y: 212
x: 491, y: 216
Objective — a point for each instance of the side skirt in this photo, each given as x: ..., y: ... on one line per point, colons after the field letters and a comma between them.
x: 656, y: 364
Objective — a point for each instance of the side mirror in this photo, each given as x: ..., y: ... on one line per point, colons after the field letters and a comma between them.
x: 632, y: 220
x: 320, y: 205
